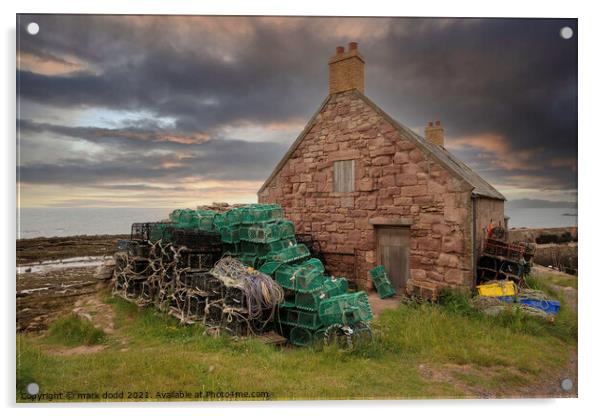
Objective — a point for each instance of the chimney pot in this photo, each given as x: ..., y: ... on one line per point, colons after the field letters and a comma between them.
x: 340, y: 50
x: 352, y: 46
x: 434, y: 133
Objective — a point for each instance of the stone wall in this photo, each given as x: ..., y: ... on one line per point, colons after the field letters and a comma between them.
x: 394, y: 180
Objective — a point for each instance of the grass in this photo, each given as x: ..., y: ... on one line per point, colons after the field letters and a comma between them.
x: 71, y: 331
x: 466, y: 351
x: 545, y: 279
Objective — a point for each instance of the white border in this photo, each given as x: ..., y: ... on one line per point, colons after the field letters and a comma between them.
x: 590, y: 69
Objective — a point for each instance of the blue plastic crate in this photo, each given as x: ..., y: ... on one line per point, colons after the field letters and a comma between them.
x: 548, y: 306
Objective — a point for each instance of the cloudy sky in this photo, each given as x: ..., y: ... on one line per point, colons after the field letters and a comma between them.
x: 177, y: 111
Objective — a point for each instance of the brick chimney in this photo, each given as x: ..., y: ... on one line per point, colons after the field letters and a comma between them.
x: 434, y: 133
x: 346, y: 70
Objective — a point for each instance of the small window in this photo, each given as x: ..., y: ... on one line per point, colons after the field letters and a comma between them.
x: 344, y: 176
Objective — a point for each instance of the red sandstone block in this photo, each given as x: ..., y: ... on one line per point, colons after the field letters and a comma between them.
x: 381, y: 160
x: 432, y: 275
x: 386, y: 181
x: 441, y: 229
x: 400, y: 158
x: 366, y: 202
x: 418, y: 274
x: 452, y: 245
x: 374, y: 171
x: 380, y: 151
x: 428, y: 218
x: 402, y: 200
x: 365, y: 185
x: 428, y: 243
x: 448, y: 260
x: 456, y: 276
x: 405, y: 179
x: 414, y: 190
x: 423, y: 199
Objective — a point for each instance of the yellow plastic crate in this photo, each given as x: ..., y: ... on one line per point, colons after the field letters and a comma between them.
x: 507, y: 288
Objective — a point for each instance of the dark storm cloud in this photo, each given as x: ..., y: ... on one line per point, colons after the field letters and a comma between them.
x: 214, y: 160
x: 505, y: 89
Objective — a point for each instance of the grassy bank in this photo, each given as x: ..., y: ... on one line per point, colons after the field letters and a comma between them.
x: 420, y: 351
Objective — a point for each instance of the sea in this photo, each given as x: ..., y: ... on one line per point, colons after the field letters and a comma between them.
x: 60, y: 222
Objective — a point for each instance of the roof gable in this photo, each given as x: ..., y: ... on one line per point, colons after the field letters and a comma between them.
x: 480, y: 186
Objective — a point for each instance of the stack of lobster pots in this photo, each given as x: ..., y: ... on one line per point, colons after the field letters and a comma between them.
x: 316, y: 306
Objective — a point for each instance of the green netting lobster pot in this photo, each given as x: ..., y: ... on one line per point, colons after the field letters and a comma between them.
x: 384, y: 289
x: 289, y: 254
x: 270, y: 268
x: 258, y: 213
x: 314, y: 264
x: 301, y: 337
x: 299, y: 277
x: 249, y: 260
x: 174, y: 216
x: 230, y: 234
x: 334, y: 287
x: 296, y: 317
x: 280, y: 244
x: 311, y: 300
x: 381, y: 281
x: 205, y: 220
x: 158, y: 231
x: 345, y: 309
x: 218, y: 221
x: 269, y: 232
x: 232, y: 217
x: 232, y: 249
x: 378, y: 272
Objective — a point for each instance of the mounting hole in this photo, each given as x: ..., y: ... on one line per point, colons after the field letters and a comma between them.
x: 566, y: 384
x: 32, y: 388
x: 33, y: 28
x: 566, y: 33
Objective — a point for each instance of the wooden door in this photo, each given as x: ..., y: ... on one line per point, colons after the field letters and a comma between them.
x: 393, y: 252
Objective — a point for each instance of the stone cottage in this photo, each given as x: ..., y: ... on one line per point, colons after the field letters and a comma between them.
x: 371, y: 191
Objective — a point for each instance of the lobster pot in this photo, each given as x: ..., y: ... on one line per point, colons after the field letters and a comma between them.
x: 213, y: 314
x: 301, y: 337
x: 231, y: 218
x: 148, y: 292
x: 196, y: 280
x: 235, y: 323
x: 263, y: 249
x: 381, y: 282
x: 311, y: 300
x: 230, y: 234
x: 296, y: 317
x: 268, y: 232
x: 289, y: 254
x: 345, y: 309
x: 299, y: 278
x: 235, y: 297
x: 158, y: 231
x: 195, y: 306
x: 194, y: 238
x: 259, y: 213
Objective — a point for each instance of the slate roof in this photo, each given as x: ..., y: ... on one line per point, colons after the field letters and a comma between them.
x: 480, y: 186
